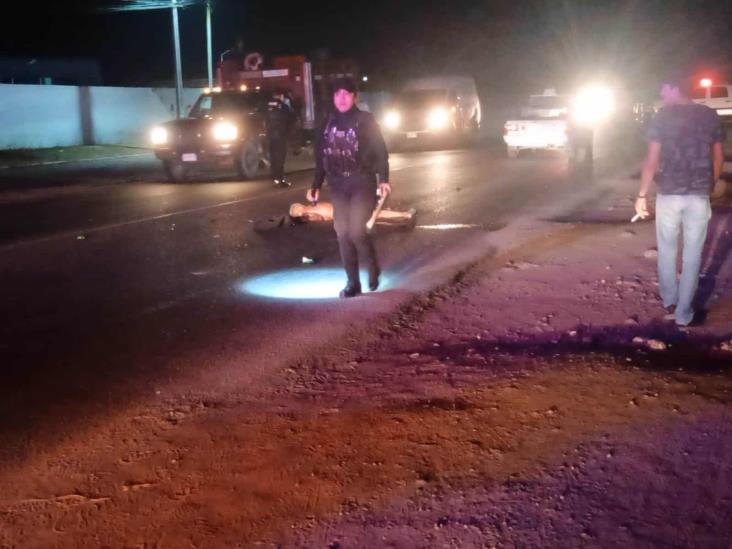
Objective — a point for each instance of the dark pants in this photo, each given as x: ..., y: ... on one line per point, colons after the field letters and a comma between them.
x: 353, y: 204
x: 277, y: 154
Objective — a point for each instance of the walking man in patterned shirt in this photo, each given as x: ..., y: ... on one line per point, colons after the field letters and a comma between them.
x: 685, y: 156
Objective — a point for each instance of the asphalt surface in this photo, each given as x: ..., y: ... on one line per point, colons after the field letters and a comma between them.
x: 118, y: 285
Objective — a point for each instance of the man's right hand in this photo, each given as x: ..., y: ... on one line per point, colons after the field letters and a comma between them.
x: 641, y: 207
x: 313, y: 195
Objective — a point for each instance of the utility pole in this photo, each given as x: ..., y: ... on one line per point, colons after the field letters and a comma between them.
x: 208, y: 44
x: 178, y: 69
x: 173, y: 6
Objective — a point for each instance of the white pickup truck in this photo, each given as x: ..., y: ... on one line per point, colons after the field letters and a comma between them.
x: 714, y: 96
x: 544, y: 124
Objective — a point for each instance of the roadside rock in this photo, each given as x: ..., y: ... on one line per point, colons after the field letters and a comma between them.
x: 653, y: 344
x: 726, y: 346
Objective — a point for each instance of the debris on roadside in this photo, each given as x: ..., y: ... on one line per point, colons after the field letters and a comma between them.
x: 653, y: 344
x: 520, y: 265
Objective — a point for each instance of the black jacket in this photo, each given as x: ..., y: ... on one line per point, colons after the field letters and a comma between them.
x: 278, y: 118
x: 373, y: 158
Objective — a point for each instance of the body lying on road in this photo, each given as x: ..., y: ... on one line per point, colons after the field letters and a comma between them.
x: 323, y: 211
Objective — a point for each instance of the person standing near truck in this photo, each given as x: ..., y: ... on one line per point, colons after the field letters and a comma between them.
x: 350, y: 151
x: 279, y: 117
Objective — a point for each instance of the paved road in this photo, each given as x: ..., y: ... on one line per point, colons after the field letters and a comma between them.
x: 118, y: 285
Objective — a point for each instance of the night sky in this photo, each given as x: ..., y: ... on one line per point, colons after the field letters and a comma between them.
x: 509, y: 46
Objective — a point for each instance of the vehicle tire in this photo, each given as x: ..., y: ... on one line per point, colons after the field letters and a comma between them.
x: 175, y: 170
x: 248, y: 160
x: 512, y: 152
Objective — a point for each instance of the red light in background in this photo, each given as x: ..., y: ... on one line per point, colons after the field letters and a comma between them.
x: 705, y: 82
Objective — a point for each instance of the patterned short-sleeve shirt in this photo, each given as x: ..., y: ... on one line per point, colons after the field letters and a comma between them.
x: 686, y: 134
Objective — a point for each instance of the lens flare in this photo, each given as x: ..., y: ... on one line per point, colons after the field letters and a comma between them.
x: 392, y: 120
x: 593, y: 105
x: 438, y: 119
x: 159, y: 136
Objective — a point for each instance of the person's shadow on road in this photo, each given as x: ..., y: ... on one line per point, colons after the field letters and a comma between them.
x: 720, y: 245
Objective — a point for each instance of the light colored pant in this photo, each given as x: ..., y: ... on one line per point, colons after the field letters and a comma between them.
x: 675, y: 212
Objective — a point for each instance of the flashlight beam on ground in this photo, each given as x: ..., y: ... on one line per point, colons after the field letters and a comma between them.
x: 449, y: 226
x: 304, y: 284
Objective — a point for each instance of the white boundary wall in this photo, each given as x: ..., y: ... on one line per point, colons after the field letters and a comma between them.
x: 33, y: 116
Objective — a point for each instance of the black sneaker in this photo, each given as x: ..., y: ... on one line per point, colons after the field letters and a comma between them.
x: 351, y: 290
x: 276, y: 182
x: 285, y: 183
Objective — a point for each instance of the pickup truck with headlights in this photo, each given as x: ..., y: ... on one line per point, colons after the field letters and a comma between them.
x: 714, y: 95
x: 551, y: 121
x: 223, y: 129
x: 433, y: 110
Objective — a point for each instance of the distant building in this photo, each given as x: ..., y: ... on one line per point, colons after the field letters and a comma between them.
x: 70, y: 72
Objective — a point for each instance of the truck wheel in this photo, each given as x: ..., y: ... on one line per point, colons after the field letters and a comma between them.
x: 512, y: 152
x: 175, y: 170
x: 247, y: 163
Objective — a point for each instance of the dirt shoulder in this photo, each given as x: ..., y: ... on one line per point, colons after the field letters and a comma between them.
x: 537, y: 399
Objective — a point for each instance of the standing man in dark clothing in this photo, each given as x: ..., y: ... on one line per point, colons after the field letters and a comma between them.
x: 685, y: 155
x: 351, y: 153
x: 279, y: 118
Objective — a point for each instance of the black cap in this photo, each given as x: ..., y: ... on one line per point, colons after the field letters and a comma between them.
x: 346, y: 83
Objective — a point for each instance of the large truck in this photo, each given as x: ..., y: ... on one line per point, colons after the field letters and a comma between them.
x: 225, y: 127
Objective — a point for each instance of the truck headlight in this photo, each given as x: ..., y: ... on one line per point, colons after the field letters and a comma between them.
x: 438, y: 118
x: 593, y: 104
x: 392, y: 120
x: 225, y: 131
x: 159, y: 136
